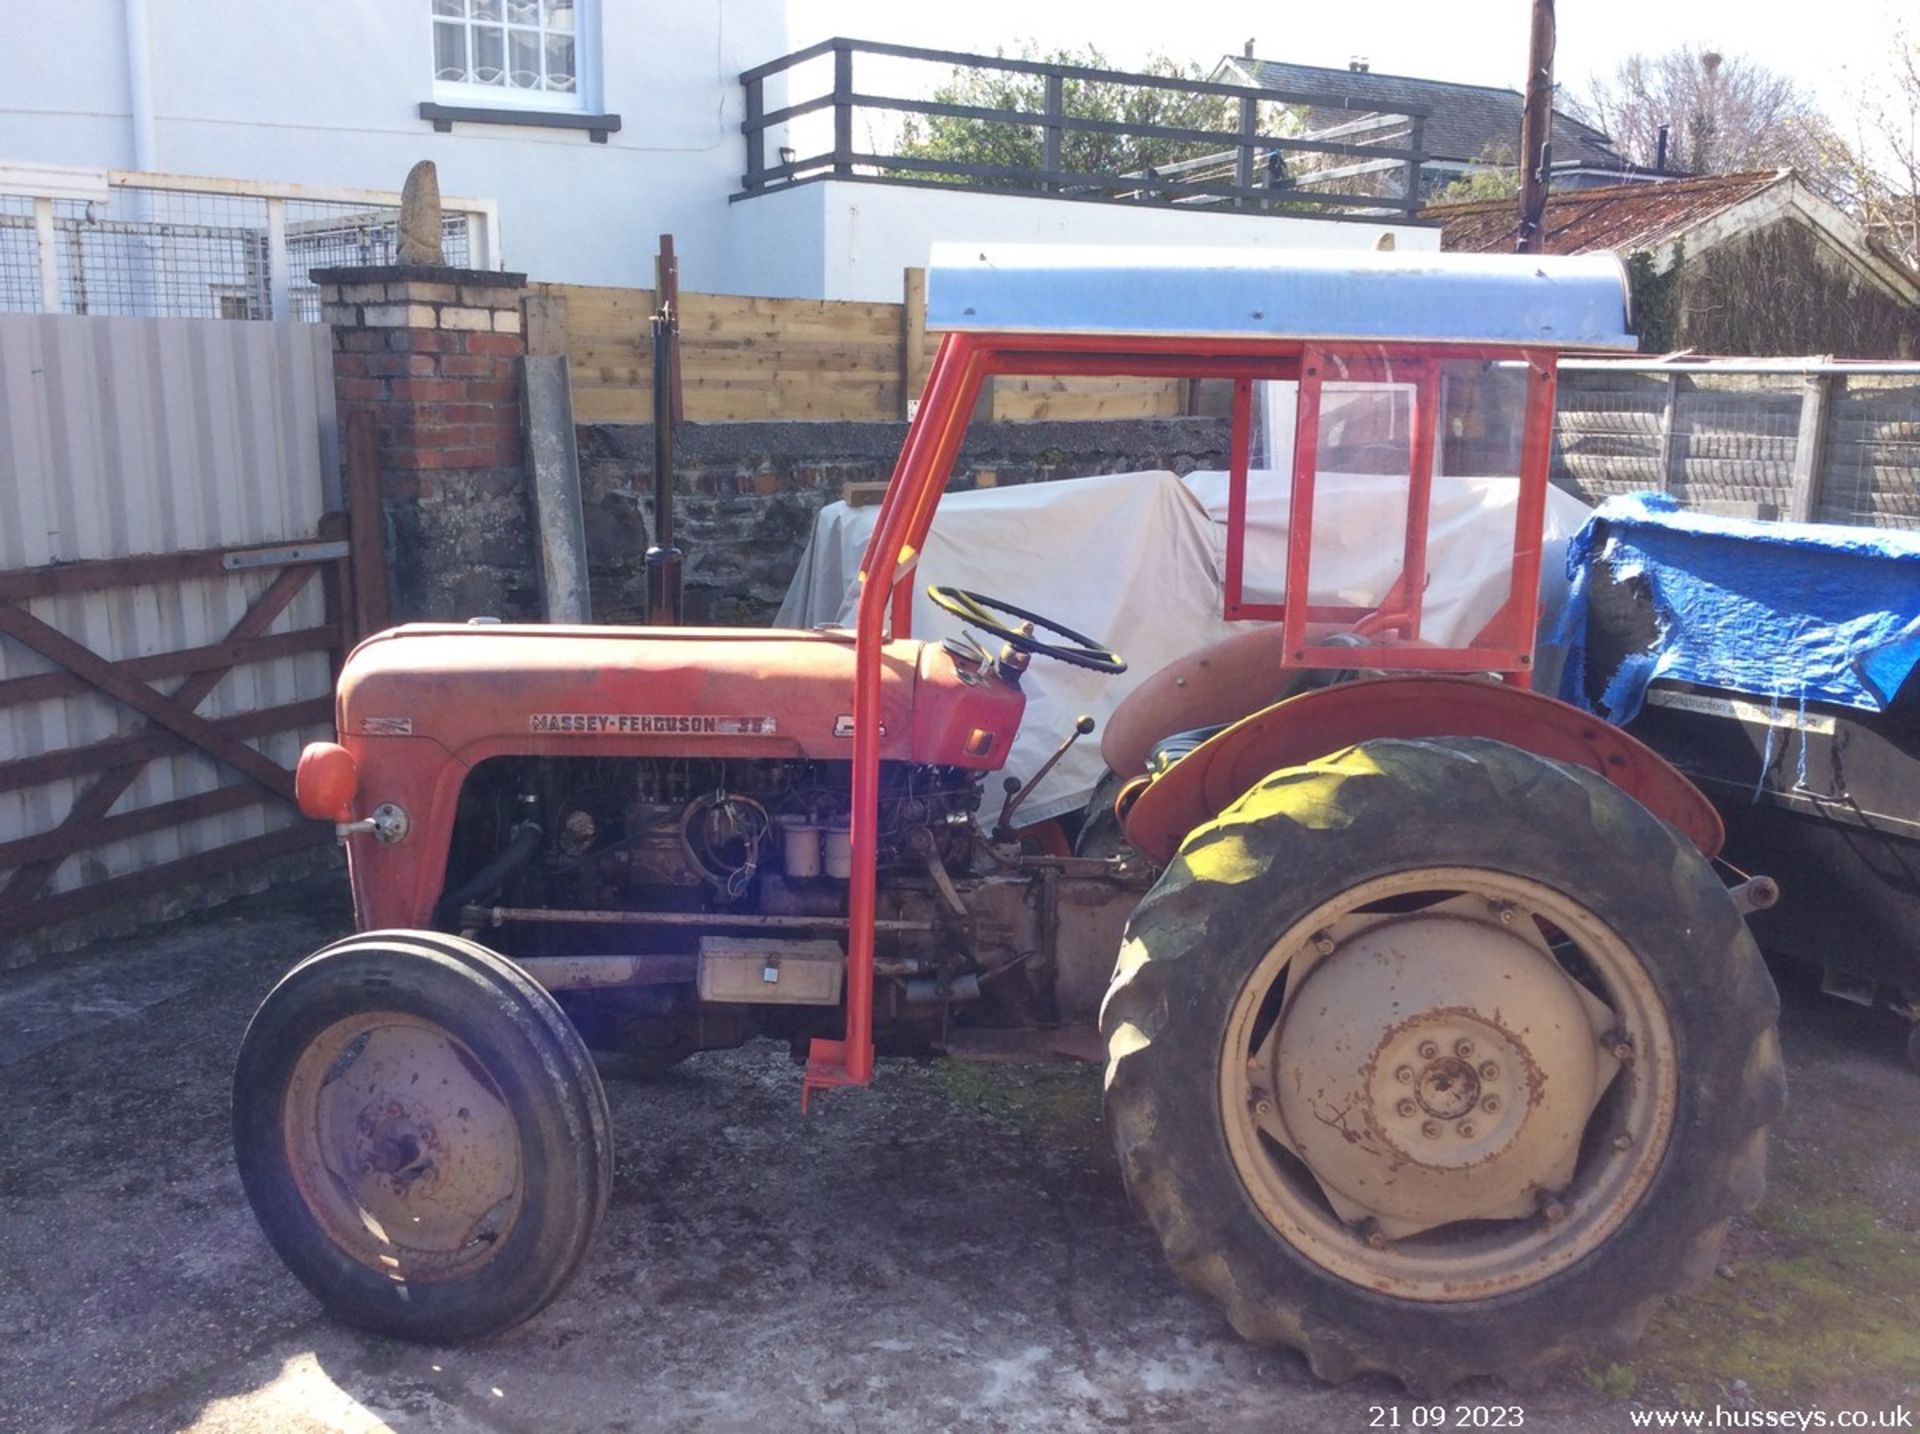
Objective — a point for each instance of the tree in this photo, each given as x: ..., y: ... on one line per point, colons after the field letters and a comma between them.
x: 1723, y: 114
x: 1496, y: 177
x: 969, y: 140
x: 1887, y: 198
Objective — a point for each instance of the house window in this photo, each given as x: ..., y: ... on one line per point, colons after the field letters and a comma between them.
x: 522, y: 53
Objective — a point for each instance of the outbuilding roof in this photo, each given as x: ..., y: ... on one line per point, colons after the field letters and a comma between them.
x: 1464, y: 122
x: 1627, y: 218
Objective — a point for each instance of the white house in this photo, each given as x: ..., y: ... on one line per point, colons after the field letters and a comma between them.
x: 593, y: 126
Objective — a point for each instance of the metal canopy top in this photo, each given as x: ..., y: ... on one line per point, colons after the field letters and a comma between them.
x: 1559, y: 301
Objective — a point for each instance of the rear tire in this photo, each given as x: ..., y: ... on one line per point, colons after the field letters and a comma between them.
x: 1670, y: 1147
x: 421, y: 1135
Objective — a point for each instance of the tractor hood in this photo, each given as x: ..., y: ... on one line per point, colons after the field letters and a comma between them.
x: 487, y: 690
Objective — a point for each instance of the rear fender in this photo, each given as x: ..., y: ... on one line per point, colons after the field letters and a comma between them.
x: 1301, y: 729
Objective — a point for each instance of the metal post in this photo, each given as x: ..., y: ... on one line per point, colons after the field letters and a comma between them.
x: 1243, y: 161
x: 1536, y: 132
x: 1416, y: 158
x: 756, y: 133
x: 664, y: 560
x: 1050, y: 141
x: 843, y: 111
x: 1669, y: 413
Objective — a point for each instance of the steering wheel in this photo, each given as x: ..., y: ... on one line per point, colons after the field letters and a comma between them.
x: 973, y: 609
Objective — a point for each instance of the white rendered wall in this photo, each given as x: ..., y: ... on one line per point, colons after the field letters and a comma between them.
x: 329, y: 94
x: 852, y: 240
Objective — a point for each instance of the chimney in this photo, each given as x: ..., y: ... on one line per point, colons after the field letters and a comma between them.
x: 1660, y: 149
x: 1247, y: 54
x: 1358, y: 64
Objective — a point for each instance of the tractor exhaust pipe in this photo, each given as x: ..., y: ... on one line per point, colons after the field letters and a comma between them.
x: 664, y: 560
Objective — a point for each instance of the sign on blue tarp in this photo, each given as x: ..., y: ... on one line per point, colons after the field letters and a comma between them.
x: 1794, y: 612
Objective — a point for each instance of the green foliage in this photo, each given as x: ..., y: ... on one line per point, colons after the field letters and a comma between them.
x: 1498, y: 178
x: 969, y: 140
x: 1655, y: 318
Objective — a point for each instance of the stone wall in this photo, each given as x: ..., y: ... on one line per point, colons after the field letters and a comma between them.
x: 746, y: 493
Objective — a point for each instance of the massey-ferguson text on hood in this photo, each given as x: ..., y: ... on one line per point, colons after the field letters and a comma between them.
x: 485, y: 690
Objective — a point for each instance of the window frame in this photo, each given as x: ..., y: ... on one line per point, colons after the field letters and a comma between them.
x: 583, y: 99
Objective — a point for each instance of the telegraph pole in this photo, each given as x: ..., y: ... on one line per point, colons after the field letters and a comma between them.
x: 1536, y: 132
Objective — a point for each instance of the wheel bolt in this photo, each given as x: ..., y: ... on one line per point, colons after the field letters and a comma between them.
x: 1463, y: 1048
x: 1428, y: 1050
x: 1551, y: 1210
x: 1376, y: 1240
x: 1489, y: 1071
x: 1466, y: 1130
x: 1623, y: 1142
x: 1431, y: 1130
x: 1623, y: 1053
x: 1323, y: 943
x: 1404, y: 1075
x: 1490, y: 1104
x: 1405, y: 1109
x: 1263, y: 1106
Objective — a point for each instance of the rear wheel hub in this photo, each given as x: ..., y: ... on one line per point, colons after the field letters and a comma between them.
x: 1421, y: 1086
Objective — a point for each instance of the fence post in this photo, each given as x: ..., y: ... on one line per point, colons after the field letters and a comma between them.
x: 1809, y: 447
x: 1416, y: 157
x: 1667, y: 415
x: 279, y: 271
x: 46, y: 245
x: 842, y: 110
x: 366, y: 527
x: 756, y: 133
x: 913, y: 339
x: 1243, y: 161
x: 1050, y: 142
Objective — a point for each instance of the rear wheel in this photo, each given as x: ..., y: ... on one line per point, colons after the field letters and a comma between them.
x: 1488, y: 1053
x: 421, y: 1134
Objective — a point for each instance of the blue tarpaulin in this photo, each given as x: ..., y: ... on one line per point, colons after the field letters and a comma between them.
x: 1792, y: 612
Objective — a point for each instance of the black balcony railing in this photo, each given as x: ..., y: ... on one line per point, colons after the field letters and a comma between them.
x: 1364, y: 161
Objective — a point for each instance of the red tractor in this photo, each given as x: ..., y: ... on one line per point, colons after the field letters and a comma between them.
x: 1434, y: 1043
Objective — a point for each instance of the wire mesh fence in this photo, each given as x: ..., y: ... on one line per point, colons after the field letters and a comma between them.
x: 168, y: 251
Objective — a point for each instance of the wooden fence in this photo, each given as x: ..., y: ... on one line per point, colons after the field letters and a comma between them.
x: 746, y: 358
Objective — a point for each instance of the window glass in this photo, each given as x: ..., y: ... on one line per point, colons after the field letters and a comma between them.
x: 507, y: 52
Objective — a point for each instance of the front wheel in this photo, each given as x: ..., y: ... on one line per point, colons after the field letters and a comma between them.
x: 421, y: 1134
x: 1487, y: 1053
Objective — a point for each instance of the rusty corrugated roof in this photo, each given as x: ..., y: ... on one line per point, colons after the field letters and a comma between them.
x: 1627, y: 218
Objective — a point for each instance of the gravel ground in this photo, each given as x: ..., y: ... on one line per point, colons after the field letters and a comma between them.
x: 950, y: 1249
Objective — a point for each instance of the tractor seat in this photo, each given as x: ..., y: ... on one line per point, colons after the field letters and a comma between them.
x: 1171, y: 749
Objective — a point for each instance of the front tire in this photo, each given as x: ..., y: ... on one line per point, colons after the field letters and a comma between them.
x: 1485, y: 1051
x: 421, y: 1135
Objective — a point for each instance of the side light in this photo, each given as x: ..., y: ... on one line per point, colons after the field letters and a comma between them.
x: 326, y: 781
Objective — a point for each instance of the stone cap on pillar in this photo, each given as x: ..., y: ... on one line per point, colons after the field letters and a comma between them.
x: 415, y: 296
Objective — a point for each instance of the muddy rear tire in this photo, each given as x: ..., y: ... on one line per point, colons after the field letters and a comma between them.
x: 421, y: 1134
x: 1463, y: 1219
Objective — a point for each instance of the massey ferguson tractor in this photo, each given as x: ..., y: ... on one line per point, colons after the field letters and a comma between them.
x: 1435, y: 1044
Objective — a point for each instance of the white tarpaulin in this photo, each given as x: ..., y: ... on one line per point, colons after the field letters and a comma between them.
x: 1137, y: 561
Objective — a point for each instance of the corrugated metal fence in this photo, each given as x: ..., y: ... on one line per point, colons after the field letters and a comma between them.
x: 164, y: 650
x: 1818, y: 442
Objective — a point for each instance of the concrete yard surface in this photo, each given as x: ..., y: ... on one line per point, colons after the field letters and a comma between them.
x: 950, y: 1249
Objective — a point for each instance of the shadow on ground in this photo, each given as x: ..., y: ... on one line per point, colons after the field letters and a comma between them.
x: 949, y: 1249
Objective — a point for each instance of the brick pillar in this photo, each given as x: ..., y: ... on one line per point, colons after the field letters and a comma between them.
x: 434, y: 354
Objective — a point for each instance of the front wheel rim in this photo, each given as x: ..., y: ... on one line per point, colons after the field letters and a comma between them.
x: 1447, y: 1084
x: 402, y: 1147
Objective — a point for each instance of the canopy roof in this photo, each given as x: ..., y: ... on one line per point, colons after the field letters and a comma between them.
x: 1577, y: 301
